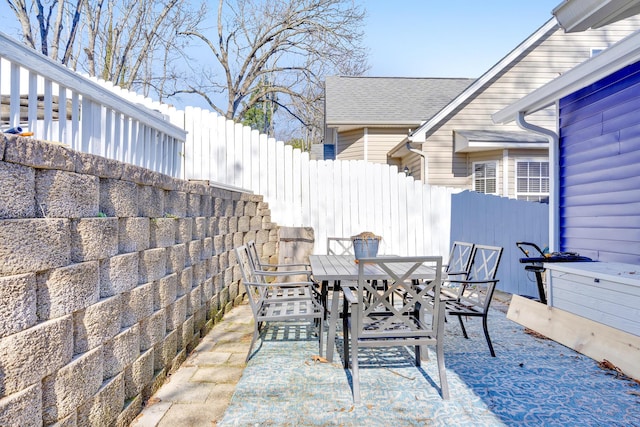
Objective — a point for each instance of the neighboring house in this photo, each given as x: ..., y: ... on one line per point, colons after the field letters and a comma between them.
x: 460, y: 146
x: 365, y: 117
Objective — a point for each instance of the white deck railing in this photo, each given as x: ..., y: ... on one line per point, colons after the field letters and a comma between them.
x: 58, y: 104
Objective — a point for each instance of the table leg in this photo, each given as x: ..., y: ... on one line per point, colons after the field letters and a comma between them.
x: 333, y: 320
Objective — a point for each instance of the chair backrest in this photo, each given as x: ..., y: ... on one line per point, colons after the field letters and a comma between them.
x: 459, y: 259
x: 381, y: 316
x: 339, y: 246
x: 252, y: 252
x: 483, y: 270
x: 253, y: 283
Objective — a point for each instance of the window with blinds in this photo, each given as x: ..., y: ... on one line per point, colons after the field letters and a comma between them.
x: 532, y: 181
x: 485, y: 177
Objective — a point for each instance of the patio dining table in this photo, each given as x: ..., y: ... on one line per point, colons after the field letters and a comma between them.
x: 337, y: 268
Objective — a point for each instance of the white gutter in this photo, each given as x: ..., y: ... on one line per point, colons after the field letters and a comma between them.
x: 425, y: 175
x: 616, y: 57
x: 554, y: 181
x: 580, y: 15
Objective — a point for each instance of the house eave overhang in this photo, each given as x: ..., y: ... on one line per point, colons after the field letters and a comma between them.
x: 476, y: 147
x: 618, y: 56
x: 419, y: 134
x: 580, y: 15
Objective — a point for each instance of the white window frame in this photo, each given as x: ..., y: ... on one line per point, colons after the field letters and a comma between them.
x: 526, y: 195
x: 486, y: 162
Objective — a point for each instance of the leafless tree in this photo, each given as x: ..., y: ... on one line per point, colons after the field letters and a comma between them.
x: 128, y: 42
x: 278, y: 50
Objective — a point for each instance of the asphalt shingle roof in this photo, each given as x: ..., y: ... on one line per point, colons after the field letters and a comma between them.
x: 388, y: 100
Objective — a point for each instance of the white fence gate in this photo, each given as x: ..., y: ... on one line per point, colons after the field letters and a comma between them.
x: 499, y: 221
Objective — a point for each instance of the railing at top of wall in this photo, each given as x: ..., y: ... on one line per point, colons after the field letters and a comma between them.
x: 58, y: 104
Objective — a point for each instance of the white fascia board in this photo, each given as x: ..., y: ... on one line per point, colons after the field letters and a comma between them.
x: 419, y: 134
x: 618, y: 56
x: 580, y: 15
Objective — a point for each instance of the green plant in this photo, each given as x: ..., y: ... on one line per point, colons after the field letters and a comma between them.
x: 102, y: 215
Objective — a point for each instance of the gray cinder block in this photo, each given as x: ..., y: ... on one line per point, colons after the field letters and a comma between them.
x: 193, y: 205
x: 17, y: 303
x: 104, y: 407
x: 185, y: 230
x: 76, y: 382
x: 121, y: 351
x: 165, y: 291
x: 185, y: 281
x: 152, y: 330
x: 194, y: 250
x: 28, y: 245
x: 23, y: 408
x: 200, y: 228
x: 39, y: 154
x: 67, y: 194
x: 152, y: 265
x: 194, y: 300
x: 150, y: 201
x: 165, y: 351
x: 18, y: 191
x: 22, y: 354
x: 137, y: 304
x: 176, y: 313
x: 93, y: 239
x: 64, y: 290
x: 118, y: 274
x: 133, y: 234
x: 176, y: 258
x: 118, y: 198
x: 162, y: 232
x: 176, y: 203
x: 98, y: 323
x: 139, y: 374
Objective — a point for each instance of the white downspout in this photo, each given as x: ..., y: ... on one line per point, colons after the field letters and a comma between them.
x: 554, y: 212
x: 424, y: 161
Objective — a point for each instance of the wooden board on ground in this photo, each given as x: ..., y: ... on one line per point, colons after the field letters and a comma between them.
x: 600, y: 342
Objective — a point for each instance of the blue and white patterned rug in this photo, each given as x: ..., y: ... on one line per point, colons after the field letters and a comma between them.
x: 532, y: 381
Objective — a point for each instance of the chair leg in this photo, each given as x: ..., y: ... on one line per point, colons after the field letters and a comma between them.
x: 486, y: 334
x: 355, y: 373
x: 345, y: 333
x: 320, y: 335
x: 464, y: 331
x: 444, y: 385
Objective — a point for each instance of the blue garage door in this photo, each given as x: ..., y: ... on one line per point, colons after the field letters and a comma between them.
x: 600, y: 168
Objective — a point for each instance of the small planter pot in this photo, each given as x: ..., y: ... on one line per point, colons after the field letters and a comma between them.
x: 365, y: 248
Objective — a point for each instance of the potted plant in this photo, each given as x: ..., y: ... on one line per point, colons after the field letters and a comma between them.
x: 365, y: 244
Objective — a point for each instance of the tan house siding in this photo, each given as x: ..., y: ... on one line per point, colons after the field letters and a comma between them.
x: 350, y: 145
x: 545, y: 60
x: 379, y: 141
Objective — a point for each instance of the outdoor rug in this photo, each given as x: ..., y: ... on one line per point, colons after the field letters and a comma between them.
x: 532, y: 381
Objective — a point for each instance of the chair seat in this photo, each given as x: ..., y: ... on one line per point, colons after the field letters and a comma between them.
x: 302, y: 308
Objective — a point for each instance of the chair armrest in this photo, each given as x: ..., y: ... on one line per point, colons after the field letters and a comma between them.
x: 349, y: 295
x: 471, y: 282
x: 282, y: 273
x: 306, y: 266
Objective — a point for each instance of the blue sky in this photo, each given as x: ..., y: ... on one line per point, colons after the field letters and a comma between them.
x: 447, y: 38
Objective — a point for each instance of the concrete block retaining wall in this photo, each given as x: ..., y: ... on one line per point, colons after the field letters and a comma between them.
x: 109, y: 276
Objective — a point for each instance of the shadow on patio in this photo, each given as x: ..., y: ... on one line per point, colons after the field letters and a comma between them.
x: 532, y: 381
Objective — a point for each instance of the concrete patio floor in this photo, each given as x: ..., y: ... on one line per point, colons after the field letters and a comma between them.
x: 532, y: 381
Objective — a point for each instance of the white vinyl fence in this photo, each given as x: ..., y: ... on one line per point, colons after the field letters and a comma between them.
x: 336, y: 198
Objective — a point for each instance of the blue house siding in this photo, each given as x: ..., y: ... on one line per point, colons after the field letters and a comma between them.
x: 600, y: 168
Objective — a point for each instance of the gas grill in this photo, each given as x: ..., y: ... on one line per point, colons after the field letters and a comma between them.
x: 535, y: 263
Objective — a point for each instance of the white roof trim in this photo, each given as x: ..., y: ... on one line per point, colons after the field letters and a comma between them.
x: 418, y: 134
x: 580, y: 15
x: 618, y: 56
